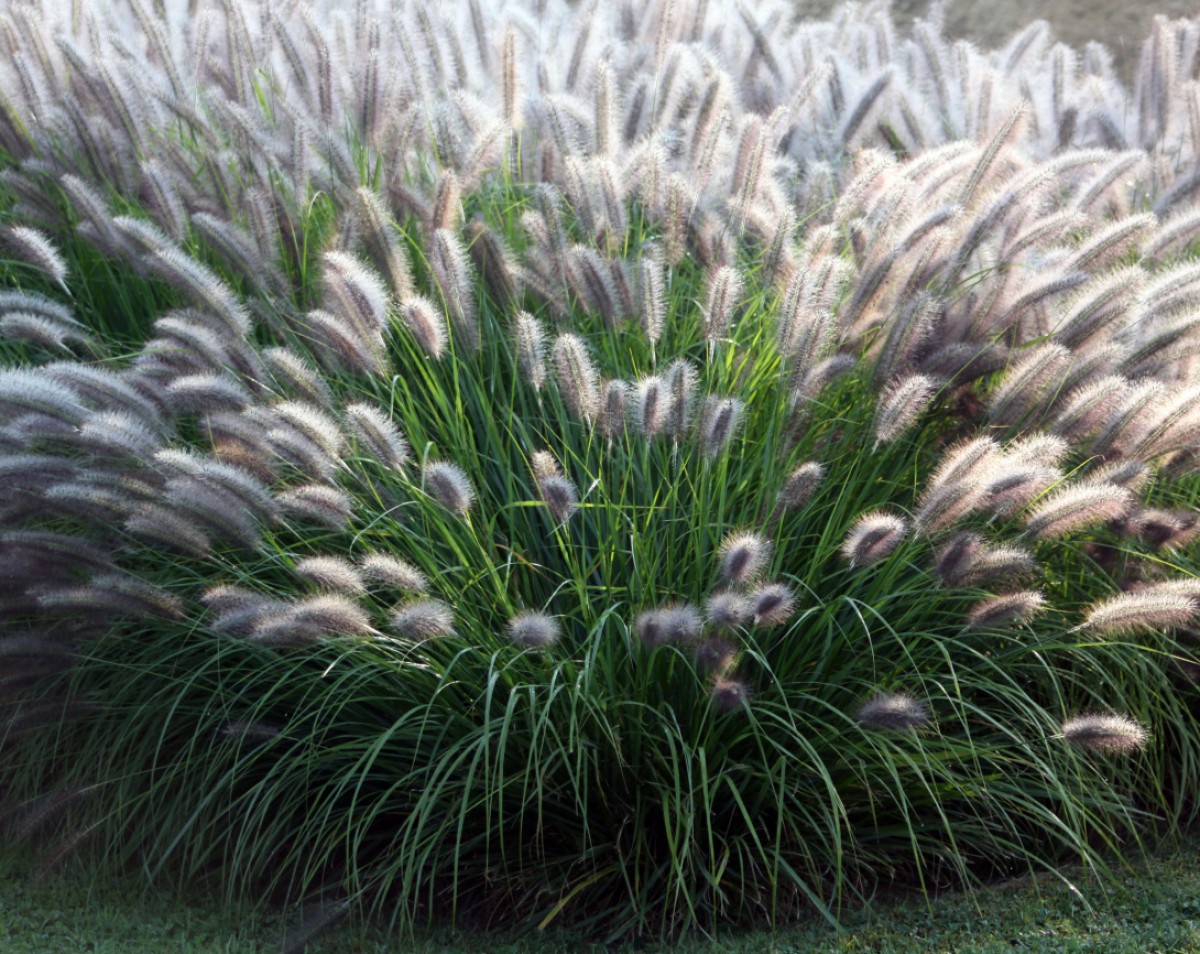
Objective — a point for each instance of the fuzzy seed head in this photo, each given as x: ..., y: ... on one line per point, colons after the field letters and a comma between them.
x: 727, y: 610
x: 543, y: 464
x: 1077, y: 508
x: 372, y: 219
x: 675, y: 623
x: 113, y: 595
x: 510, y: 81
x: 942, y: 505
x: 533, y: 630
x: 560, y: 496
x: 193, y: 393
x: 449, y: 485
x: 651, y: 406
x: 332, y: 614
x: 1005, y: 610
x: 1009, y: 490
x: 892, y: 712
x: 377, y: 435
x: 718, y: 423
x: 578, y: 381
x: 901, y: 406
x: 1028, y: 381
x: 387, y: 570
x: 446, y: 212
x: 319, y: 503
x: 1142, y: 611
x: 966, y: 461
x: 38, y: 330
x: 772, y: 605
x: 716, y: 655
x: 800, y: 485
x: 342, y: 345
x: 955, y: 560
x: 451, y: 269
x: 423, y: 619
x: 1129, y: 473
x: 162, y: 526
x: 426, y: 323
x: 873, y: 537
x: 1104, y: 734
x: 729, y: 694
x: 292, y: 373
x: 355, y: 293
x: 1180, y: 586
x: 331, y: 573
x: 614, y: 397
x: 653, y: 299
x: 1090, y: 407
x: 224, y: 598
x: 994, y: 563
x: 682, y: 380
x: 314, y: 424
x: 724, y: 294
x: 37, y: 250
x: 531, y: 349
x: 1166, y: 529
x: 251, y: 732
x: 743, y: 557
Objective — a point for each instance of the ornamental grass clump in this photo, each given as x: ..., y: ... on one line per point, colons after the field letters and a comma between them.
x: 502, y: 489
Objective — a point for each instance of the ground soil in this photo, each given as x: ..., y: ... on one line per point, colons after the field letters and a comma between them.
x: 1121, y: 25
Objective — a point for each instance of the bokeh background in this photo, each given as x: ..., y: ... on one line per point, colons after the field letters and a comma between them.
x: 1121, y: 25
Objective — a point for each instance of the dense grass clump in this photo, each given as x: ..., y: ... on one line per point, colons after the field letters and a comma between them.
x: 639, y: 469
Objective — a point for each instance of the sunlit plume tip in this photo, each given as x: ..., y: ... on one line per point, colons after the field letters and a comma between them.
x: 892, y: 712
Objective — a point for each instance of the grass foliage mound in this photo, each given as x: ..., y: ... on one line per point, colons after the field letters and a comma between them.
x: 634, y: 466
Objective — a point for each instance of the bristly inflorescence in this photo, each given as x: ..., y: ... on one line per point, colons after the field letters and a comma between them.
x: 1105, y: 734
x: 892, y: 712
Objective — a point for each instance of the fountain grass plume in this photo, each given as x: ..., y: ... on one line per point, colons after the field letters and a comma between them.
x: 873, y: 537
x: 533, y: 630
x: 1139, y: 611
x: 1104, y: 734
x: 892, y: 712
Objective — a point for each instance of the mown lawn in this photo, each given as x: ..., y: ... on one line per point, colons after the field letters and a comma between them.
x: 1154, y: 907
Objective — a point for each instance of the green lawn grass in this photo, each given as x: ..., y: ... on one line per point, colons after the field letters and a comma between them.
x: 1153, y: 906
